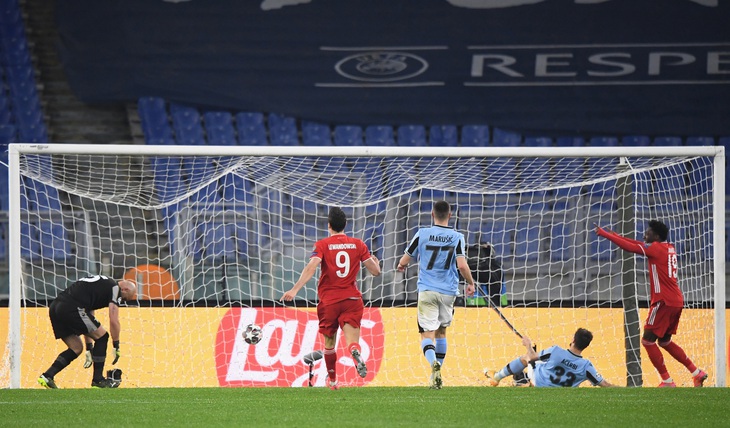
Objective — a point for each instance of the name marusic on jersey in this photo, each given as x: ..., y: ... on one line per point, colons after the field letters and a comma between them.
x: 446, y: 239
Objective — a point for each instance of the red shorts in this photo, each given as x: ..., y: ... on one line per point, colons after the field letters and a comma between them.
x: 338, y: 314
x: 662, y: 319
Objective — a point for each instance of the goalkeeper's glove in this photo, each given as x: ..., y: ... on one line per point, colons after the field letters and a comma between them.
x: 117, y: 353
x: 89, y: 361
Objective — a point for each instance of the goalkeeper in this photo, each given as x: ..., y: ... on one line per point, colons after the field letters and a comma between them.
x: 554, y: 366
x: 72, y: 314
x: 487, y: 272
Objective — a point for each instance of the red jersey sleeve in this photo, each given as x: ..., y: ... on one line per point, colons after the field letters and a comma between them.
x: 318, y: 250
x: 662, y: 267
x: 627, y: 244
x: 364, y: 252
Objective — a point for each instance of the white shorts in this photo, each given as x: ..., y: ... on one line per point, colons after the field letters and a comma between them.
x: 531, y: 372
x: 434, y: 310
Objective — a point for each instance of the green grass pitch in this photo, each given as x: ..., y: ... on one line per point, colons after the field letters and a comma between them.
x: 371, y: 407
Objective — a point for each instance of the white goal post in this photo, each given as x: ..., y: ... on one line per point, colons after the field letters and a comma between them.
x: 214, y: 236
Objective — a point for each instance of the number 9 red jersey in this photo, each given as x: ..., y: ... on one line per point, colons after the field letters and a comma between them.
x: 341, y: 257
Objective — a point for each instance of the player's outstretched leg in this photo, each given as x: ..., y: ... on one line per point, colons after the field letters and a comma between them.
x: 436, y: 381
x: 61, y: 362
x: 515, y: 366
x: 698, y: 375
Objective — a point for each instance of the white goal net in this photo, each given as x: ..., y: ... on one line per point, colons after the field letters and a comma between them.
x: 214, y: 235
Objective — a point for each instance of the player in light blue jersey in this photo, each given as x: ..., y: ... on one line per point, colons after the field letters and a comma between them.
x: 554, y: 366
x: 441, y: 255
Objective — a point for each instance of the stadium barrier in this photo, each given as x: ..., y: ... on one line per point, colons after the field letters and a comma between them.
x: 221, y: 358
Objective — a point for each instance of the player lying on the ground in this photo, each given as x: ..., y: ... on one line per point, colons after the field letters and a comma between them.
x: 555, y: 366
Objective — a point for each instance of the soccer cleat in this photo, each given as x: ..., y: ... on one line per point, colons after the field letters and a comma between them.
x: 103, y: 383
x: 436, y: 381
x: 491, y: 381
x: 334, y: 386
x: 667, y: 385
x: 47, y: 382
x: 362, y: 369
x: 700, y: 379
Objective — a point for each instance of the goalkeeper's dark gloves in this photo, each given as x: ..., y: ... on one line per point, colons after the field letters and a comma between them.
x: 117, y: 353
x: 89, y: 361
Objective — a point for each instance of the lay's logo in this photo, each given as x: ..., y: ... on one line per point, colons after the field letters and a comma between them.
x: 288, y: 335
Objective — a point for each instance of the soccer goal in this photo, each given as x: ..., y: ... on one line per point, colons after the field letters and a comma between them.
x: 214, y: 235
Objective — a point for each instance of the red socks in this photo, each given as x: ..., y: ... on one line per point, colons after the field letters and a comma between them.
x: 678, y: 353
x: 656, y: 357
x: 354, y: 346
x: 330, y: 361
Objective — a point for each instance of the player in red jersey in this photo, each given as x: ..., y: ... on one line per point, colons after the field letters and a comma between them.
x: 666, y: 298
x: 340, y: 300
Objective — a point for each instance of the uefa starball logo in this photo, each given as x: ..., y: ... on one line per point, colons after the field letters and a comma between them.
x: 288, y: 336
x: 381, y: 66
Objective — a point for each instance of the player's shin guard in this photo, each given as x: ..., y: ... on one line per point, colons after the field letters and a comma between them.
x: 656, y: 358
x: 98, y: 356
x: 330, y: 361
x: 678, y: 354
x: 62, y: 361
x: 514, y: 366
x: 429, y: 350
x: 441, y: 347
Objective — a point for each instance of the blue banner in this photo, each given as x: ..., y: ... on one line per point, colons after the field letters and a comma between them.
x: 534, y: 66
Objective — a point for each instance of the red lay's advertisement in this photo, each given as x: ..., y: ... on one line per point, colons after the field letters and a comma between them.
x: 288, y: 336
